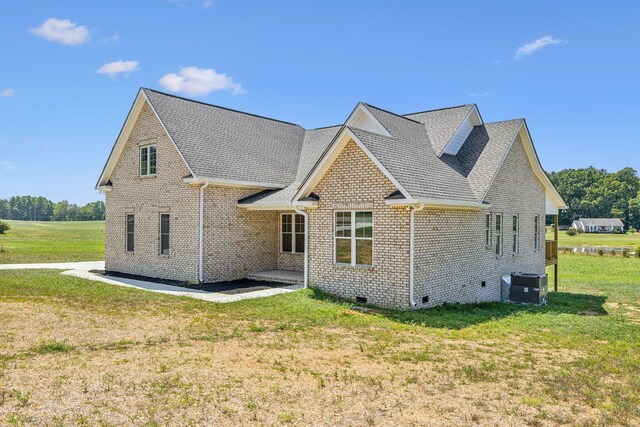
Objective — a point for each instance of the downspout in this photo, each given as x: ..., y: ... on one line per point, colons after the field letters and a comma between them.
x: 201, y: 262
x: 412, y: 210
x: 306, y: 246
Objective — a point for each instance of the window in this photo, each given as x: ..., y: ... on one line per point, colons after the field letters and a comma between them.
x: 164, y: 234
x: 536, y: 232
x: 516, y: 234
x: 148, y: 160
x: 130, y: 233
x: 292, y: 231
x: 498, y: 234
x: 487, y: 231
x: 353, y: 238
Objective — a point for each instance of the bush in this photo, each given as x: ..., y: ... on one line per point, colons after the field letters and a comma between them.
x: 625, y: 253
x: 600, y: 252
x: 4, y: 226
x: 632, y: 230
x: 637, y: 252
x: 571, y: 232
x: 613, y: 252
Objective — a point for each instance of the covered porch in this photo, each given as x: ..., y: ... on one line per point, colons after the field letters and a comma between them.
x: 292, y: 237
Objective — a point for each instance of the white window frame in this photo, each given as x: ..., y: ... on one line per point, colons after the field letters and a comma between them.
x: 515, y: 234
x: 499, y: 234
x: 148, y: 148
x: 160, y: 234
x: 487, y: 230
x: 352, y: 238
x: 126, y: 233
x: 294, y: 234
x: 536, y: 233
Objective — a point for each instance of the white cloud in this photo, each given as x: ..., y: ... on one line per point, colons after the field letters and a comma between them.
x: 537, y: 44
x: 199, y: 82
x: 7, y: 166
x: 478, y: 94
x: 7, y: 93
x: 207, y: 4
x: 117, y: 67
x: 115, y: 38
x: 62, y: 31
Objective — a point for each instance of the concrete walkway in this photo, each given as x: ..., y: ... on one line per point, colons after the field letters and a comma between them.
x: 83, y: 271
x: 89, y: 265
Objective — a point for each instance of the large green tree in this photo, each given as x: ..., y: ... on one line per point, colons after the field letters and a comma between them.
x: 5, y: 209
x: 594, y: 193
x: 572, y: 184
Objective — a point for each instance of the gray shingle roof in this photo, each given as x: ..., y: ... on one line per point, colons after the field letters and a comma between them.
x: 481, y: 154
x: 272, y: 197
x: 602, y: 222
x: 225, y: 144
x: 409, y: 156
x: 314, y: 144
x: 220, y: 143
x: 441, y: 124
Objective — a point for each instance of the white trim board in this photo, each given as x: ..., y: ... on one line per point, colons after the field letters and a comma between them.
x: 461, y: 134
x: 232, y: 183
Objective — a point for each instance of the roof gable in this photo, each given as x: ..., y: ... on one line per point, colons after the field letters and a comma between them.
x: 362, y: 118
x: 121, y: 141
x: 461, y: 134
x: 442, y: 124
x: 330, y: 155
x: 484, y: 153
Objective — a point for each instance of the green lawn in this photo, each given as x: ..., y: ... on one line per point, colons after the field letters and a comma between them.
x: 78, y: 352
x: 54, y: 241
x: 593, y: 239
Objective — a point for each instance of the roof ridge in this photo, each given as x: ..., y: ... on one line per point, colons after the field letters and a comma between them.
x: 324, y: 127
x: 391, y: 112
x: 504, y: 121
x: 437, y: 109
x: 221, y: 107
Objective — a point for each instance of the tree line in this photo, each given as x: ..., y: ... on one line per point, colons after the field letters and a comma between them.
x: 29, y: 208
x: 596, y: 193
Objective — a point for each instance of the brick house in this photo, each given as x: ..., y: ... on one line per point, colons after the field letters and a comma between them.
x: 403, y: 211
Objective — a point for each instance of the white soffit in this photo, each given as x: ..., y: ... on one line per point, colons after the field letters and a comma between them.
x: 361, y: 118
x: 462, y: 133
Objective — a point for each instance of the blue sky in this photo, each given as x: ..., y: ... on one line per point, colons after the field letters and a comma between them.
x: 570, y: 69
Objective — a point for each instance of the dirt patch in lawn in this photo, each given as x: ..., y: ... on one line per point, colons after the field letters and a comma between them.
x: 68, y: 366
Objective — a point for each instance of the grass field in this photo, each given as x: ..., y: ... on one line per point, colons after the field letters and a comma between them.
x: 54, y: 241
x: 628, y: 240
x: 74, y: 352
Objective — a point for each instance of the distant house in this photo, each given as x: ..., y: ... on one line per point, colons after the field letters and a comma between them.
x: 399, y: 211
x: 598, y: 225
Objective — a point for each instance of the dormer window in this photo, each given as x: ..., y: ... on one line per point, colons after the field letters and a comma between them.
x: 148, y: 160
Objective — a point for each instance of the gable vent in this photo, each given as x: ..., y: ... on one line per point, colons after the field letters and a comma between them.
x: 463, y: 131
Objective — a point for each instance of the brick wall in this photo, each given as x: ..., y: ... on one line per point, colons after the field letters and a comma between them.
x: 451, y: 259
x: 146, y: 198
x: 354, y: 182
x: 237, y: 241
